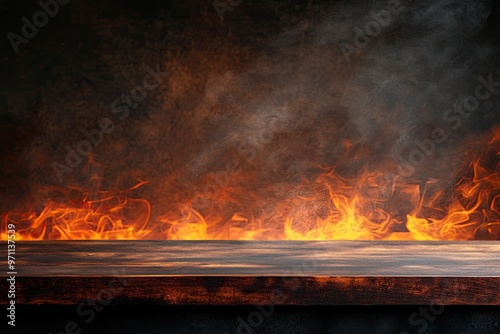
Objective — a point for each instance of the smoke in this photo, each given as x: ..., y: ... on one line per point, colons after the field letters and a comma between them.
x: 355, y: 86
x: 368, y: 86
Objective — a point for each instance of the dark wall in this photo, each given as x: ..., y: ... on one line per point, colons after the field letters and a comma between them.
x: 220, y: 75
x: 65, y: 78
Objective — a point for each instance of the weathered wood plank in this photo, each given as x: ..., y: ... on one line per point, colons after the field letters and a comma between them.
x: 260, y: 290
x: 260, y: 258
x: 241, y: 272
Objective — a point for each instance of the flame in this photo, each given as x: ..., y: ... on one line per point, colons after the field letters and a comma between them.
x: 374, y: 206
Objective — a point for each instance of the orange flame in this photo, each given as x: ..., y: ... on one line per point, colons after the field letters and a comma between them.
x: 374, y: 206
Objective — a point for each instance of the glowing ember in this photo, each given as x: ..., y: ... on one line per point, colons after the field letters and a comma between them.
x: 328, y: 207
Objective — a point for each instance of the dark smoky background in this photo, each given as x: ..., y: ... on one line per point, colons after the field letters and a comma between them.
x: 252, y: 105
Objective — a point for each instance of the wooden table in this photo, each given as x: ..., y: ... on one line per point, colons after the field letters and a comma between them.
x: 257, y: 272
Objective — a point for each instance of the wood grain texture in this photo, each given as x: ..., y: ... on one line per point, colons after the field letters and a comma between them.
x: 241, y: 272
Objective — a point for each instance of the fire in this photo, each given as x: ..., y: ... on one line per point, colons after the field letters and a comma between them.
x: 374, y: 206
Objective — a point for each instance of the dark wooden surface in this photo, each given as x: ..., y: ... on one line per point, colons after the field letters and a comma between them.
x: 240, y: 272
